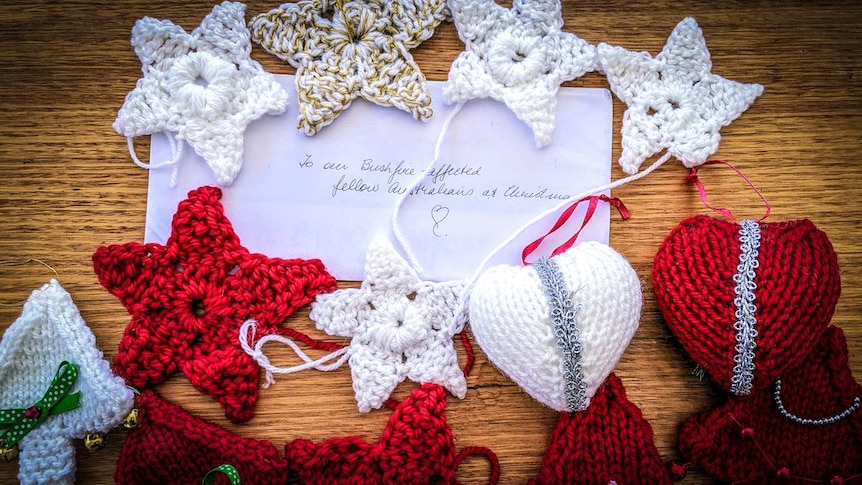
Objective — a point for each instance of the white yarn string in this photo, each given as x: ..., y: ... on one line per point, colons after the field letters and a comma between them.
x: 247, y: 335
x: 461, y: 315
x: 399, y: 236
x: 176, y: 154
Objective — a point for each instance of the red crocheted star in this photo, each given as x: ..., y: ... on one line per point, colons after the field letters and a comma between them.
x: 173, y: 447
x: 416, y: 447
x: 609, y: 442
x: 749, y: 440
x: 189, y: 298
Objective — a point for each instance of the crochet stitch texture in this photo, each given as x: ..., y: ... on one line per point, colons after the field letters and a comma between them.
x: 49, y: 331
x: 203, y: 86
x: 797, y: 285
x: 748, y: 440
x: 610, y: 442
x: 189, y: 298
x: 674, y: 101
x: 172, y: 447
x: 401, y: 327
x: 519, y: 56
x: 512, y: 319
x: 417, y: 447
x: 343, y: 50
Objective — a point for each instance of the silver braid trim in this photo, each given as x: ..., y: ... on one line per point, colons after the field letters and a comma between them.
x: 808, y: 421
x: 746, y: 322
x: 563, y: 313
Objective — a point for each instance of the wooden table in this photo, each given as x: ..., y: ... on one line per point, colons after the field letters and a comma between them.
x: 67, y: 186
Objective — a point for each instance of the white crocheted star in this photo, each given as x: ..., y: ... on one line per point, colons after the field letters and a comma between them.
x: 347, y: 49
x: 518, y: 56
x: 49, y: 331
x: 203, y: 86
x: 402, y: 327
x: 674, y: 101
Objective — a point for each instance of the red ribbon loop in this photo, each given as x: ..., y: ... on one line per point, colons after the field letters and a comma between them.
x: 564, y: 217
x: 693, y: 178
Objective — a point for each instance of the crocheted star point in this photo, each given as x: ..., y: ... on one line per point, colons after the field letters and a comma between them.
x: 348, y: 50
x: 674, y: 101
x: 189, y: 297
x: 203, y: 86
x: 401, y: 327
x: 519, y: 56
x: 50, y: 331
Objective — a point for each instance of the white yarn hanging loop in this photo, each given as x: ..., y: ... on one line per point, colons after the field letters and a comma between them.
x: 247, y: 335
x: 462, y: 316
x: 399, y: 236
x: 176, y: 154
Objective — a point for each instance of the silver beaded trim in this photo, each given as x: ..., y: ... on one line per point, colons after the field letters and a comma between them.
x: 563, y: 313
x: 808, y: 421
x: 746, y: 322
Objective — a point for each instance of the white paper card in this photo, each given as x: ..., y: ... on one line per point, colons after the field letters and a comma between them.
x: 329, y: 195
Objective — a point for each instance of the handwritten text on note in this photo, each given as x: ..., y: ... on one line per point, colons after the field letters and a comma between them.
x: 329, y: 195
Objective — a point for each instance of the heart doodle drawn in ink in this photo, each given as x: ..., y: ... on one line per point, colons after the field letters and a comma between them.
x: 439, y: 213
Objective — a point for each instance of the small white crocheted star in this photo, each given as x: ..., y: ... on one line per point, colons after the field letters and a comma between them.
x: 203, y: 86
x: 49, y: 331
x: 674, y: 101
x: 343, y: 50
x: 518, y: 56
x: 402, y: 327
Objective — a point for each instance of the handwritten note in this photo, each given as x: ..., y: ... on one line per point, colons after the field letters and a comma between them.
x: 329, y: 195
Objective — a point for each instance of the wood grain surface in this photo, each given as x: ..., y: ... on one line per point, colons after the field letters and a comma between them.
x: 67, y: 185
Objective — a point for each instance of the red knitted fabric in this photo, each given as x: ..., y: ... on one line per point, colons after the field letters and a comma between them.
x: 798, y: 285
x: 747, y: 440
x: 416, y: 448
x: 189, y: 298
x: 173, y: 447
x: 608, y: 442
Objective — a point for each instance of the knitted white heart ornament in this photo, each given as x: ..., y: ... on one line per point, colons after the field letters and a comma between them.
x: 558, y: 327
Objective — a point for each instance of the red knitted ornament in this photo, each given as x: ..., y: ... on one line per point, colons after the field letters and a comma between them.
x: 173, y: 447
x: 189, y: 298
x: 416, y: 448
x: 608, y: 442
x: 796, y: 285
x: 749, y: 439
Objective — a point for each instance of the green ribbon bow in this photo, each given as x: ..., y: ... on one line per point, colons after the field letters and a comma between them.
x: 229, y: 470
x: 16, y: 423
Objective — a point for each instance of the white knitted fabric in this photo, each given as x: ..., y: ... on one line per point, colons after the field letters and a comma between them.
x: 49, y: 331
x: 343, y: 50
x: 674, y: 101
x: 400, y: 327
x: 510, y: 316
x: 518, y: 56
x: 203, y: 86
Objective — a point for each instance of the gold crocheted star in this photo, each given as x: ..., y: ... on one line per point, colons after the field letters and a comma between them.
x: 343, y: 50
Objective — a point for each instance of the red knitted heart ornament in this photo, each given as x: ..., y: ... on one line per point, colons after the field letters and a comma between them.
x: 416, y: 448
x: 749, y: 440
x: 173, y: 447
x: 189, y: 298
x: 608, y: 442
x: 793, y: 280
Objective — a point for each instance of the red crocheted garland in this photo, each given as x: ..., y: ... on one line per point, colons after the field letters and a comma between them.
x: 608, y: 442
x: 748, y: 440
x: 173, y: 447
x: 189, y: 298
x: 798, y: 284
x: 416, y: 447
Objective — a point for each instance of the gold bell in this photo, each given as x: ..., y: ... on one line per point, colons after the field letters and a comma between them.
x: 131, y: 420
x: 9, y: 454
x: 94, y: 441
